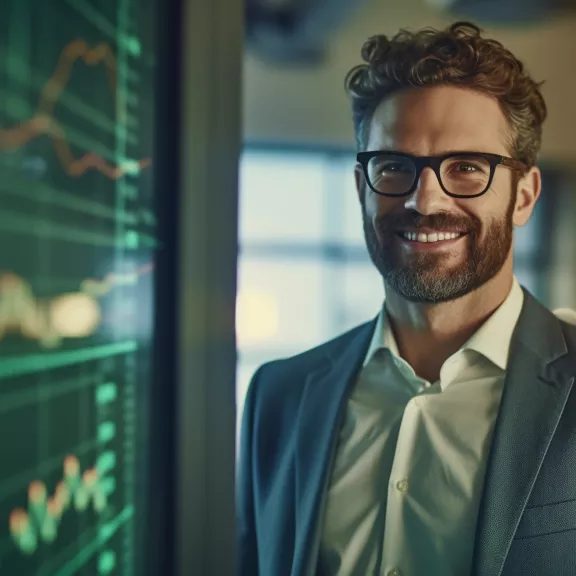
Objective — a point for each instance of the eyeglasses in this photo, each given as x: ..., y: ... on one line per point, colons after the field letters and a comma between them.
x: 461, y: 174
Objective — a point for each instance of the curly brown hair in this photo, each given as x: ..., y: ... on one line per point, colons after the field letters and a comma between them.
x: 457, y: 56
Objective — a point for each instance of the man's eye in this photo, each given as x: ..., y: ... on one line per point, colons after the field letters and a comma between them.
x: 470, y: 168
x: 393, y: 167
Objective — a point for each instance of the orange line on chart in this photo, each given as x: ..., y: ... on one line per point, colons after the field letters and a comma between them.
x: 43, y: 121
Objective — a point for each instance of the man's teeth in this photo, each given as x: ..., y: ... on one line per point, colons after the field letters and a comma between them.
x: 434, y: 237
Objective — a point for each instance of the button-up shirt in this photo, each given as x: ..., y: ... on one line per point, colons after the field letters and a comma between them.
x: 408, y: 473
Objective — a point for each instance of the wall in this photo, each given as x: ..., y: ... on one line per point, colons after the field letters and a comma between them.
x: 310, y: 106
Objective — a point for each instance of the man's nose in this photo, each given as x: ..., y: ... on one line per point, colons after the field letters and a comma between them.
x: 429, y: 197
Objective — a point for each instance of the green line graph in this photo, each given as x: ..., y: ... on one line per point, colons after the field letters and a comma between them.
x: 42, y: 517
x: 15, y: 185
x: 91, y: 545
x: 78, y: 241
x: 12, y: 484
x: 20, y: 365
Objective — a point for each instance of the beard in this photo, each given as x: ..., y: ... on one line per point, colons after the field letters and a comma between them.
x: 426, y: 277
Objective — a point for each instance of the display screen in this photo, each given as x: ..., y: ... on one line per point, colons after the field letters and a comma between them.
x: 77, y: 246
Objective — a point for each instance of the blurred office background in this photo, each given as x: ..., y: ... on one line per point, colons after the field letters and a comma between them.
x: 304, y: 274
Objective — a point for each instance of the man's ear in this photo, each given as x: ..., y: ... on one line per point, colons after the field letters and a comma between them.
x: 528, y: 192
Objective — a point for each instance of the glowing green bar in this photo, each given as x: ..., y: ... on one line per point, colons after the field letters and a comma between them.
x: 106, y: 462
x: 108, y: 485
x: 106, y: 432
x: 106, y: 393
x: 19, y: 365
x: 106, y: 562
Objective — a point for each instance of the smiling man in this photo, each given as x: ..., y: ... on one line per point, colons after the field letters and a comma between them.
x: 438, y: 438
x: 440, y: 196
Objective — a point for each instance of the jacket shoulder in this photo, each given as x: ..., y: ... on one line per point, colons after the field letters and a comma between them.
x: 277, y: 386
x: 300, y: 365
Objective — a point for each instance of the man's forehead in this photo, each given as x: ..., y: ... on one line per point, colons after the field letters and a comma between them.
x: 435, y: 120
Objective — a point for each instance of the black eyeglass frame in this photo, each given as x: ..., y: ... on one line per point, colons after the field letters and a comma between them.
x: 434, y: 162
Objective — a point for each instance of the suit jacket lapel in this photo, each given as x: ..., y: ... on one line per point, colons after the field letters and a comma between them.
x: 535, y: 392
x: 321, y: 410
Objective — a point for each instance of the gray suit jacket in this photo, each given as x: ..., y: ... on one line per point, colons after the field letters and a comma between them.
x: 292, y: 416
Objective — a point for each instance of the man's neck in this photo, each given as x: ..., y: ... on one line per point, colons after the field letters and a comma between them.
x: 428, y: 334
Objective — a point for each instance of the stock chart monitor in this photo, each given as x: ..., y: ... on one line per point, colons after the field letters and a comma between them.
x: 77, y: 263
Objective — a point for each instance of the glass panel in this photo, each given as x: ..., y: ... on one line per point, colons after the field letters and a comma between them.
x: 281, y: 197
x: 527, y: 238
x: 280, y: 307
x: 360, y: 296
x: 77, y: 238
x: 352, y: 231
x: 528, y: 278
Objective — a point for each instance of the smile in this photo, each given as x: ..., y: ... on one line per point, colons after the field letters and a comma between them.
x: 429, y: 241
x: 423, y: 238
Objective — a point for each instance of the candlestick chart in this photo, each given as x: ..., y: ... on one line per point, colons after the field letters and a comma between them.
x: 78, y: 239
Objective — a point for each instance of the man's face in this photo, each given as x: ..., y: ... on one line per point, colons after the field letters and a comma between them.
x: 430, y: 122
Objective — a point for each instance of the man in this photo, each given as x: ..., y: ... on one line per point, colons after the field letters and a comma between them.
x: 440, y: 437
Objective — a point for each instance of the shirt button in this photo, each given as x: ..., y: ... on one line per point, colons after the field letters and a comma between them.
x: 394, y: 572
x: 402, y: 485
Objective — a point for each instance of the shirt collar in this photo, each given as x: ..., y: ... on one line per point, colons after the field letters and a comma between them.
x: 383, y: 337
x: 492, y: 339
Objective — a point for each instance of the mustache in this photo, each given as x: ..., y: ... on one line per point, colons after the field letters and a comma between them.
x: 443, y: 221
